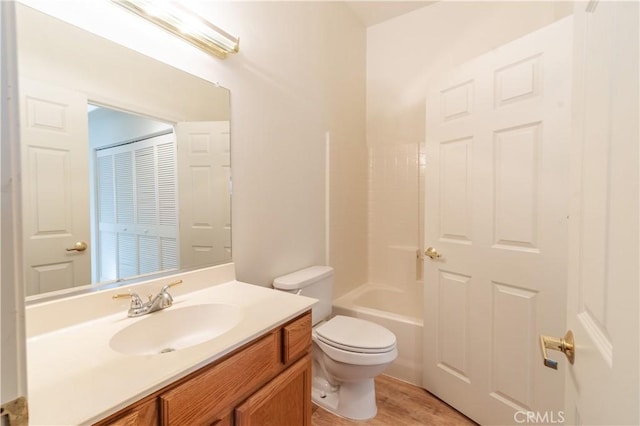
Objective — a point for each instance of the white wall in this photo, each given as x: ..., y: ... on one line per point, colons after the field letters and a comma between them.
x: 402, y: 55
x: 108, y: 127
x: 300, y: 73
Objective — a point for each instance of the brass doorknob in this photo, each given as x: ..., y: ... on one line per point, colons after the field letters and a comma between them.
x: 432, y: 253
x: 79, y: 246
x: 566, y: 345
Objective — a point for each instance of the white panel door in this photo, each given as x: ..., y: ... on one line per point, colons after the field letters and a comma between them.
x: 55, y: 186
x: 602, y: 311
x: 204, y: 173
x: 497, y: 180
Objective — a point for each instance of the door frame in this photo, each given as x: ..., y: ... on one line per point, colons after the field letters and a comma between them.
x: 13, y: 385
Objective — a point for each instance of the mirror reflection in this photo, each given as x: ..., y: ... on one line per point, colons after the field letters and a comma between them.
x: 125, y: 161
x: 134, y: 185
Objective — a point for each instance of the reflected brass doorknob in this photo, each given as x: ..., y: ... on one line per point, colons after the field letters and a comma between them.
x: 566, y: 345
x: 79, y: 246
x: 432, y: 253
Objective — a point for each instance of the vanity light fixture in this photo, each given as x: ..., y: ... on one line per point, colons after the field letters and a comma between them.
x: 185, y: 24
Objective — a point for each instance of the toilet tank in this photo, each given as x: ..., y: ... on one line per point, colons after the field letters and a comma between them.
x: 316, y: 282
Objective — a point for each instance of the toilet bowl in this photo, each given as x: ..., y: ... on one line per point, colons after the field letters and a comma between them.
x: 348, y: 353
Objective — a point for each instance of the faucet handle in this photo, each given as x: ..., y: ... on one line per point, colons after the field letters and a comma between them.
x: 172, y: 284
x: 136, y: 302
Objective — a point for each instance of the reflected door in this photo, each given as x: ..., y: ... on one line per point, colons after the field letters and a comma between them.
x: 497, y: 142
x: 55, y: 188
x: 137, y: 208
x: 204, y: 173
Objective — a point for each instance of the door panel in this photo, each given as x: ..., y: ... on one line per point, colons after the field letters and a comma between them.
x: 602, y: 309
x: 455, y: 201
x: 203, y: 181
x: 55, y: 186
x: 496, y: 209
x: 516, y: 169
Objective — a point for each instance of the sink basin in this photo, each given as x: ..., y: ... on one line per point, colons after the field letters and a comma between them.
x: 176, y: 328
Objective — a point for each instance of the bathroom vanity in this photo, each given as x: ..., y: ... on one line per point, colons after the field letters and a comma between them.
x: 265, y: 381
x: 257, y: 371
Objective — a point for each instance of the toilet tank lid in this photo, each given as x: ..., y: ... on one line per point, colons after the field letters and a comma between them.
x: 302, y: 278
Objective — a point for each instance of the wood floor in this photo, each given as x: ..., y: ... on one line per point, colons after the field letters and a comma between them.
x: 400, y: 404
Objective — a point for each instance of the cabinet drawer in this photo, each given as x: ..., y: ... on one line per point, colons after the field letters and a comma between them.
x: 296, y: 337
x: 207, y: 397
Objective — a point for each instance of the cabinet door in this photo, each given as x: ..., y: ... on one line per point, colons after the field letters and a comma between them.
x: 285, y: 401
x: 208, y: 397
x: 141, y: 414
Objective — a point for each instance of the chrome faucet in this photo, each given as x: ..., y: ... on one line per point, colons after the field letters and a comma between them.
x: 138, y: 308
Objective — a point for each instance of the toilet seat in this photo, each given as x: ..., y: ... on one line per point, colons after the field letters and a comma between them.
x: 358, y: 349
x: 355, y: 341
x: 357, y: 335
x: 355, y: 358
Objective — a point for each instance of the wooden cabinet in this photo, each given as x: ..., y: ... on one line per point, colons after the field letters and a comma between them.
x: 282, y: 402
x: 296, y: 338
x: 266, y: 382
x: 142, y: 413
x: 206, y: 397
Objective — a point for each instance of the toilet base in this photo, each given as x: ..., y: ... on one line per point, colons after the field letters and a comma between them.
x: 356, y: 401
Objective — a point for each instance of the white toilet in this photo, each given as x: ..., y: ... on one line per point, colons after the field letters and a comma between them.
x: 347, y: 352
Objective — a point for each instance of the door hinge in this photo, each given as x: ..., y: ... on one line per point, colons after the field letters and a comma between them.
x: 16, y: 411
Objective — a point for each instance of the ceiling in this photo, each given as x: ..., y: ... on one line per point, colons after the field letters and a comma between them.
x: 374, y: 12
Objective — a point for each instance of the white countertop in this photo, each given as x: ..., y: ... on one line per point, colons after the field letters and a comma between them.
x: 76, y: 378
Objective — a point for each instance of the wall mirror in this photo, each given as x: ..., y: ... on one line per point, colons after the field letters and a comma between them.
x: 125, y: 162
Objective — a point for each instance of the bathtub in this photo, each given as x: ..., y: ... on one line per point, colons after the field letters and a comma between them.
x: 399, y: 310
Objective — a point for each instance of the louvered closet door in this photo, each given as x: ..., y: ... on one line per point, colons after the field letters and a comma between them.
x: 137, y: 208
x: 497, y: 194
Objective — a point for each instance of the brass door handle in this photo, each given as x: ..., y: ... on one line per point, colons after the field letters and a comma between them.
x: 79, y: 246
x: 566, y: 345
x: 432, y: 253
